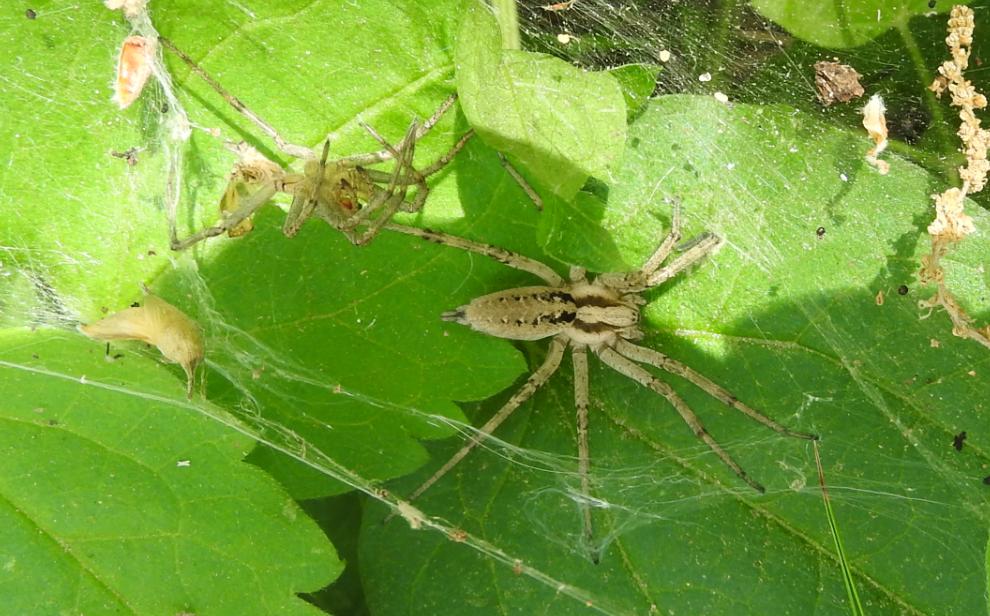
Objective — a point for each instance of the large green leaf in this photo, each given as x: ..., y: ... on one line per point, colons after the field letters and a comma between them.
x: 788, y: 321
x: 536, y: 108
x: 126, y: 499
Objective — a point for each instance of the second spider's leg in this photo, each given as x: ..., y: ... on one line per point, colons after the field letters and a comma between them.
x: 512, y: 259
x: 296, y: 151
x: 389, y: 152
x: 232, y: 220
x: 404, y: 174
x: 444, y: 160
x: 658, y: 359
x: 390, y: 199
x: 521, y: 181
x: 579, y: 357
x: 628, y: 368
x: 305, y: 201
x: 536, y: 380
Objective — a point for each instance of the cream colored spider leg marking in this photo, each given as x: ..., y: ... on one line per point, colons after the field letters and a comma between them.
x: 601, y: 315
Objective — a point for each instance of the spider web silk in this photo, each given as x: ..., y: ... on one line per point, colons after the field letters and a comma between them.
x: 705, y: 49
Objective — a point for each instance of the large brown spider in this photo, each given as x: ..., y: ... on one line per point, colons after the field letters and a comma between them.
x: 601, y: 315
x: 350, y: 197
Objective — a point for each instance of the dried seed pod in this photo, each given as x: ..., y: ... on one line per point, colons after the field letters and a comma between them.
x: 159, y: 323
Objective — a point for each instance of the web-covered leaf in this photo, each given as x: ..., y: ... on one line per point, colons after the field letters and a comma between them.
x: 840, y: 24
x: 809, y: 313
x: 124, y: 498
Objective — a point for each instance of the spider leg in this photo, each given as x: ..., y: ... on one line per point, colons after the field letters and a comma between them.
x: 512, y: 259
x: 664, y: 362
x: 536, y: 380
x: 389, y: 200
x: 444, y: 160
x: 304, y: 204
x: 405, y: 174
x: 246, y: 209
x: 628, y: 368
x: 699, y: 249
x: 579, y: 357
x: 389, y: 152
x: 526, y: 186
x: 290, y: 149
x: 667, y: 245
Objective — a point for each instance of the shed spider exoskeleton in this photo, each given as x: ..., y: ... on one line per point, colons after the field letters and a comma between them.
x: 350, y: 197
x: 601, y: 315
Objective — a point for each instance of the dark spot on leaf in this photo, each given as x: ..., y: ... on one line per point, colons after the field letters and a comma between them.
x: 634, y: 142
x: 986, y: 480
x: 30, y: 13
x: 902, y: 290
x: 931, y: 4
x: 957, y: 440
x: 820, y: 232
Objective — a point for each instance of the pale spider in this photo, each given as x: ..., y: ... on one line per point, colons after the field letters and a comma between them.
x: 601, y: 315
x: 343, y: 192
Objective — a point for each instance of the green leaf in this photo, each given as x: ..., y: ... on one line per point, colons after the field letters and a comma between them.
x: 637, y: 82
x: 842, y: 24
x: 126, y: 498
x: 535, y: 108
x: 788, y: 322
x: 319, y: 348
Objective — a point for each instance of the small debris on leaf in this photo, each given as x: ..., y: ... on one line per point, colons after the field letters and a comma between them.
x: 837, y: 83
x: 137, y: 55
x: 902, y: 290
x: 130, y: 155
x: 957, y: 440
x: 820, y: 232
x: 30, y: 13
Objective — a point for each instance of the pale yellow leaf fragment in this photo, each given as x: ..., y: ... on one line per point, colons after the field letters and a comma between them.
x: 159, y: 323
